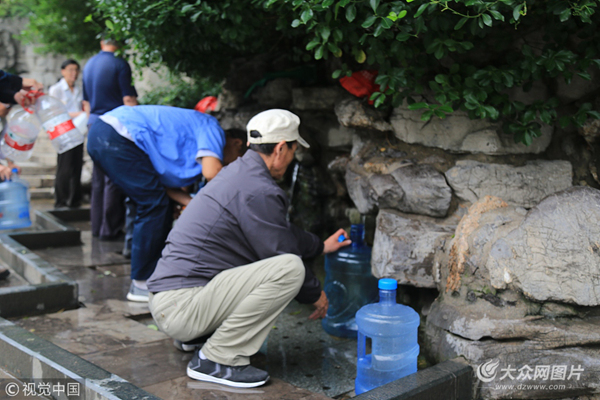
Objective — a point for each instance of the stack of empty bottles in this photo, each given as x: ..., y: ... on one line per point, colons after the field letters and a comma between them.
x: 24, y: 124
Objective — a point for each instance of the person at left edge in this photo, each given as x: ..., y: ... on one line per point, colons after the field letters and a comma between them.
x: 145, y: 149
x: 13, y: 89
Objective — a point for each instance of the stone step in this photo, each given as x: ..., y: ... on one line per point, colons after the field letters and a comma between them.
x: 39, y: 181
x: 33, y: 168
x: 42, y: 193
x: 44, y: 159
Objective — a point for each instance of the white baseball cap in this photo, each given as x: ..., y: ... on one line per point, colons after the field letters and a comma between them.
x: 274, y: 126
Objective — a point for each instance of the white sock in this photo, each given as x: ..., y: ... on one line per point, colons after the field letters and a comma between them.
x: 140, y: 284
x: 201, y: 354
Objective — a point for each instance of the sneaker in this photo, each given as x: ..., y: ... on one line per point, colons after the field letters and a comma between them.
x: 137, y: 294
x: 245, y: 376
x: 4, y: 274
x: 191, y: 345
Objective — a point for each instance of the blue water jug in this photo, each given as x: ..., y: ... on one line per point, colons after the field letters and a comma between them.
x: 349, y: 284
x: 393, y: 330
x: 14, y: 203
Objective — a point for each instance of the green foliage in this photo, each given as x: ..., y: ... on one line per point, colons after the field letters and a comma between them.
x: 57, y: 26
x: 442, y: 55
x: 181, y: 92
x: 438, y: 56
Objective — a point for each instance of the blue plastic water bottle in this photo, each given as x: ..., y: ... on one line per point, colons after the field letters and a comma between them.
x: 14, y: 203
x: 349, y: 284
x: 393, y: 330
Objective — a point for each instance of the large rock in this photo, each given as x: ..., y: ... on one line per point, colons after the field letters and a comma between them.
x: 523, y: 186
x: 404, y: 246
x: 411, y: 188
x: 327, y: 130
x: 555, y: 252
x: 515, y: 369
x: 354, y: 113
x: 316, y: 98
x: 458, y: 133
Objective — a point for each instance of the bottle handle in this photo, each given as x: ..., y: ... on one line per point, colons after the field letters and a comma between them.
x: 361, y: 340
x: 31, y: 95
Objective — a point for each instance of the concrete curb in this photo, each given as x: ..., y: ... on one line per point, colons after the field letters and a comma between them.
x: 27, y: 357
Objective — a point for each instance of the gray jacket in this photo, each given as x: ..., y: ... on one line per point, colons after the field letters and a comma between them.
x: 236, y: 219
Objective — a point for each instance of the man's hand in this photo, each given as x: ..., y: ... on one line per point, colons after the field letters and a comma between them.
x: 31, y: 84
x: 332, y: 244
x: 321, y: 307
x: 5, y: 173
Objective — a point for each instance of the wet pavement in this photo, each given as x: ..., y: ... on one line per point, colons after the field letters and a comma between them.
x: 121, y: 337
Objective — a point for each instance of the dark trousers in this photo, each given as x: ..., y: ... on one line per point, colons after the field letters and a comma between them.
x: 67, y: 185
x: 131, y: 169
x: 107, y: 206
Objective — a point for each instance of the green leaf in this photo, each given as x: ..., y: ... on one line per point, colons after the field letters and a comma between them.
x: 360, y: 56
x: 565, y: 15
x: 374, y: 4
x: 327, y: 3
x: 402, y: 37
x: 517, y: 12
x: 338, y: 35
x: 369, y: 21
x: 420, y: 11
x: 88, y: 18
x: 439, y: 53
x: 296, y: 23
x: 387, y: 23
x: 380, y: 100
x: 336, y: 74
x: 460, y: 23
x: 402, y: 13
x: 379, y: 30
x: 306, y: 15
x: 351, y: 13
x: 313, y: 43
x: 497, y: 16
x: 187, y: 8
x: 439, y: 114
x: 486, y: 19
x: 426, y: 116
x: 325, y: 32
x: 109, y: 24
x: 319, y: 52
x: 343, y: 3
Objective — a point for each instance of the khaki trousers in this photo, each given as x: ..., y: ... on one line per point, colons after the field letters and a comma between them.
x: 240, y: 305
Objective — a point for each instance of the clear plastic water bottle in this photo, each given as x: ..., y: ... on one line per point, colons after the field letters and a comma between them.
x: 57, y: 122
x: 22, y: 130
x: 349, y: 284
x: 393, y: 330
x: 14, y: 203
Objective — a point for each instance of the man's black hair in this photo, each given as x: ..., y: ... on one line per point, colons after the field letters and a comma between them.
x: 235, y: 133
x: 265, y: 148
x: 68, y: 62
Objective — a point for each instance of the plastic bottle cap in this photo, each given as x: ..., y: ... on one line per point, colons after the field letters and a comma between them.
x: 341, y: 238
x: 388, y: 284
x: 14, y: 170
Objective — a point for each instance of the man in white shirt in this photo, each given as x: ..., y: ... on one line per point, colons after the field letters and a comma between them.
x: 67, y: 185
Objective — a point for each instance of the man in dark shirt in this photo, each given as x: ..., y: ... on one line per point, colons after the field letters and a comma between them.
x: 106, y: 86
x: 233, y: 262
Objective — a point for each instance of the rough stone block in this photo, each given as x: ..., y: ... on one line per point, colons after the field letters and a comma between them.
x: 522, y: 186
x: 404, y: 246
x: 458, y: 133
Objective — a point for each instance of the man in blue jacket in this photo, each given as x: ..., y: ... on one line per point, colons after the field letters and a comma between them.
x: 151, y: 152
x: 233, y: 261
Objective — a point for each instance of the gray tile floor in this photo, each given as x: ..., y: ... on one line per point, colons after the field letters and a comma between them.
x: 119, y: 336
